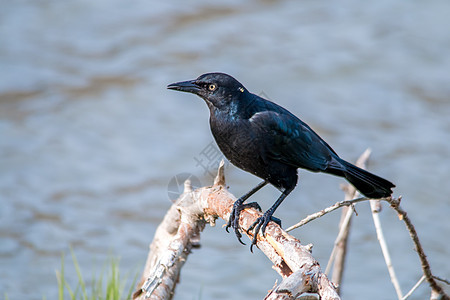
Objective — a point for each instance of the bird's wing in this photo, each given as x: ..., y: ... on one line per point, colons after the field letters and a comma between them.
x: 291, y: 141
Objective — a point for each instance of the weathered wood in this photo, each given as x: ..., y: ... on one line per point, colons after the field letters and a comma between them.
x: 174, y: 238
x: 186, y: 219
x: 180, y: 230
x: 339, y: 252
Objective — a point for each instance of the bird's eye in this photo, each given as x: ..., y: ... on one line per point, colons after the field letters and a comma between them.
x: 212, y: 87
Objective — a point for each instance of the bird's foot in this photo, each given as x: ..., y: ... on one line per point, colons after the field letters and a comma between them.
x: 233, y: 221
x: 261, y: 224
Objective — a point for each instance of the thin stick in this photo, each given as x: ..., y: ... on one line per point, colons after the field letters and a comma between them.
x: 422, y: 279
x: 339, y: 251
x: 395, y: 204
x: 442, y: 279
x: 325, y: 211
x: 384, y: 248
x: 339, y: 238
x: 436, y: 288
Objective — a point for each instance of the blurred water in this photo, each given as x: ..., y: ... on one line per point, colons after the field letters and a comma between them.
x: 90, y: 137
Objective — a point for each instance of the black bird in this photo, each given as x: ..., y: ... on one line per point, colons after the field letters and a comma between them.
x: 268, y: 141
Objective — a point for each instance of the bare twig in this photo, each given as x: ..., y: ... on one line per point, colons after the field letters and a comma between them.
x: 435, y: 288
x: 384, y: 248
x: 442, y: 279
x: 437, y: 291
x: 325, y: 211
x: 340, y: 240
x: 339, y: 252
x: 395, y: 204
x: 422, y: 279
x: 375, y: 209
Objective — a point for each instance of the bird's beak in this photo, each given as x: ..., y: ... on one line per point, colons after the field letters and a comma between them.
x: 185, y: 86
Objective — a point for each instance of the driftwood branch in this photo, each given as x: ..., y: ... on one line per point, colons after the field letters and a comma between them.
x: 179, y: 233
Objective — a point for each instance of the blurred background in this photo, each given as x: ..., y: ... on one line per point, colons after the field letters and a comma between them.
x: 90, y: 138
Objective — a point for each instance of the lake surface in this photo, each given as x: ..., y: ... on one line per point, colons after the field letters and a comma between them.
x: 90, y: 138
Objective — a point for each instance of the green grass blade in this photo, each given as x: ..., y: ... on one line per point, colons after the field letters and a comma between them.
x: 81, y: 282
x: 111, y: 287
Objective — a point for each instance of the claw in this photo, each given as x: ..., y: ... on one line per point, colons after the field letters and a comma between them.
x: 235, y: 224
x: 254, y: 205
x: 228, y: 225
x: 252, y: 226
x: 239, y: 236
x: 233, y: 221
x: 234, y: 212
x: 276, y: 220
x: 261, y: 224
x: 238, y: 206
x: 251, y: 246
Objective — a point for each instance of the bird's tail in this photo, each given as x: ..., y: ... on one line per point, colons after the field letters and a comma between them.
x: 370, y: 185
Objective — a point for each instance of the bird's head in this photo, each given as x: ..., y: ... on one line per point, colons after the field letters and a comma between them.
x: 219, y: 90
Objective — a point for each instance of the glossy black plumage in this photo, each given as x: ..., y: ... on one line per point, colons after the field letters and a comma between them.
x: 268, y: 141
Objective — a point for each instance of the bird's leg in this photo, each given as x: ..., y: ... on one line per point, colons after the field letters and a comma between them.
x: 238, y: 206
x: 262, y: 221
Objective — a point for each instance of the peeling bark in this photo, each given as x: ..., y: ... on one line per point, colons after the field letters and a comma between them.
x: 180, y: 230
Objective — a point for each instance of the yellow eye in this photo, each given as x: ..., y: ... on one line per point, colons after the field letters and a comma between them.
x: 212, y: 87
